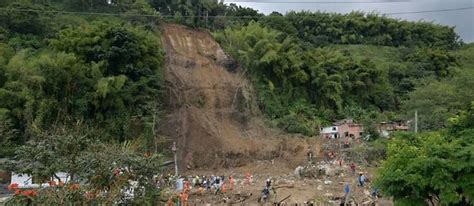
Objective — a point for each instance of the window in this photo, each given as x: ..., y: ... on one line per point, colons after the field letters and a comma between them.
x: 333, y: 128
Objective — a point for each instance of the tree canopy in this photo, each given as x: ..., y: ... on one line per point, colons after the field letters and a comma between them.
x: 327, y: 80
x: 104, y: 72
x: 435, y: 167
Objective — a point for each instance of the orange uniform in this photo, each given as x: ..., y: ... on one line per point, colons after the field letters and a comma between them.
x: 248, y: 178
x: 184, y: 198
x: 187, y: 187
x: 169, y: 203
x: 224, y: 187
x: 231, y: 183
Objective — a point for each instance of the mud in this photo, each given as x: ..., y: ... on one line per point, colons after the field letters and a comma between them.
x: 213, y: 114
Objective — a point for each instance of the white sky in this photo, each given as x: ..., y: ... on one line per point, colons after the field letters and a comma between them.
x: 463, y: 20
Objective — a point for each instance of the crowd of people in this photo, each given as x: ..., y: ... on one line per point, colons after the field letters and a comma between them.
x: 200, y: 185
x: 220, y: 184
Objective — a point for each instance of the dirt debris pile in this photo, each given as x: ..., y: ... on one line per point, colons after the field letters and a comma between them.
x: 213, y: 117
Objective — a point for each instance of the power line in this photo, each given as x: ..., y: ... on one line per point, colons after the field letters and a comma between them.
x: 321, y: 2
x: 201, y: 16
x: 429, y: 11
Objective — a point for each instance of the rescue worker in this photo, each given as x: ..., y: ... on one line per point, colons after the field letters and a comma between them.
x: 361, y: 179
x: 196, y: 181
x: 248, y: 178
x: 217, y: 185
x: 353, y: 168
x: 347, y: 189
x: 265, y: 194
x: 310, y: 155
x: 170, y: 202
x: 187, y: 186
x: 200, y: 191
x: 213, y: 179
x: 183, y: 197
x: 224, y: 187
x: 268, y: 183
x: 208, y: 184
x: 375, y: 192
x: 231, y: 182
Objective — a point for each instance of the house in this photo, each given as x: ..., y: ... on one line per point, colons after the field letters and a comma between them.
x: 385, y: 128
x: 330, y: 132
x: 347, y: 128
x: 27, y: 181
x: 343, y: 128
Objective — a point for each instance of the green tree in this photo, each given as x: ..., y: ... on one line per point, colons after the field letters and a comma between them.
x: 106, y: 169
x: 25, y: 17
x: 434, y: 167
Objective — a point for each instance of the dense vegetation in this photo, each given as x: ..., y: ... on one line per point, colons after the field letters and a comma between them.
x: 104, y: 72
x: 432, y: 167
x: 330, y: 82
x: 80, y: 94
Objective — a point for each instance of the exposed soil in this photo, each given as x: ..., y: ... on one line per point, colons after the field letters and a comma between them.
x: 322, y: 190
x: 214, y: 118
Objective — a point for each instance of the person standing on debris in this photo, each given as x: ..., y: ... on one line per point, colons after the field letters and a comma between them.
x: 183, y: 197
x: 224, y: 187
x: 265, y: 194
x: 170, y: 202
x: 353, y: 168
x: 268, y: 183
x: 347, y: 189
x: 206, y: 184
x: 196, y: 181
x: 179, y: 184
x: 187, y: 186
x: 375, y: 192
x: 310, y: 155
x: 248, y: 178
x: 231, y: 182
x: 361, y: 179
x: 217, y: 185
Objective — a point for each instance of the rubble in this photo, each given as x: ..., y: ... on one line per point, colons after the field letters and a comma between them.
x: 320, y: 187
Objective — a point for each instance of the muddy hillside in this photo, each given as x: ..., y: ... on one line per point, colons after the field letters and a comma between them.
x: 213, y: 117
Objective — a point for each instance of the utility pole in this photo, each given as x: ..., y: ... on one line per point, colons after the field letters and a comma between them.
x: 174, y: 149
x: 416, y: 121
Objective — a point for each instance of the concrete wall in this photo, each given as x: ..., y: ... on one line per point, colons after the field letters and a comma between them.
x: 330, y: 132
x: 26, y: 181
x: 351, y: 130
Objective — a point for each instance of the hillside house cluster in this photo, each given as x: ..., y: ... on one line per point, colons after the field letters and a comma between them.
x: 385, y: 128
x: 347, y: 128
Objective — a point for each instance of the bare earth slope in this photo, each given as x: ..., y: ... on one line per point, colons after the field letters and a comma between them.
x: 213, y: 118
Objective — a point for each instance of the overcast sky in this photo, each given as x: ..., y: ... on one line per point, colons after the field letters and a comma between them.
x: 462, y: 19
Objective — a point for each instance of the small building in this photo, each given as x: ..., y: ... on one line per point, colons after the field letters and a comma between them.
x: 330, y: 132
x: 386, y: 128
x: 27, y: 181
x: 347, y: 128
x: 343, y: 129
